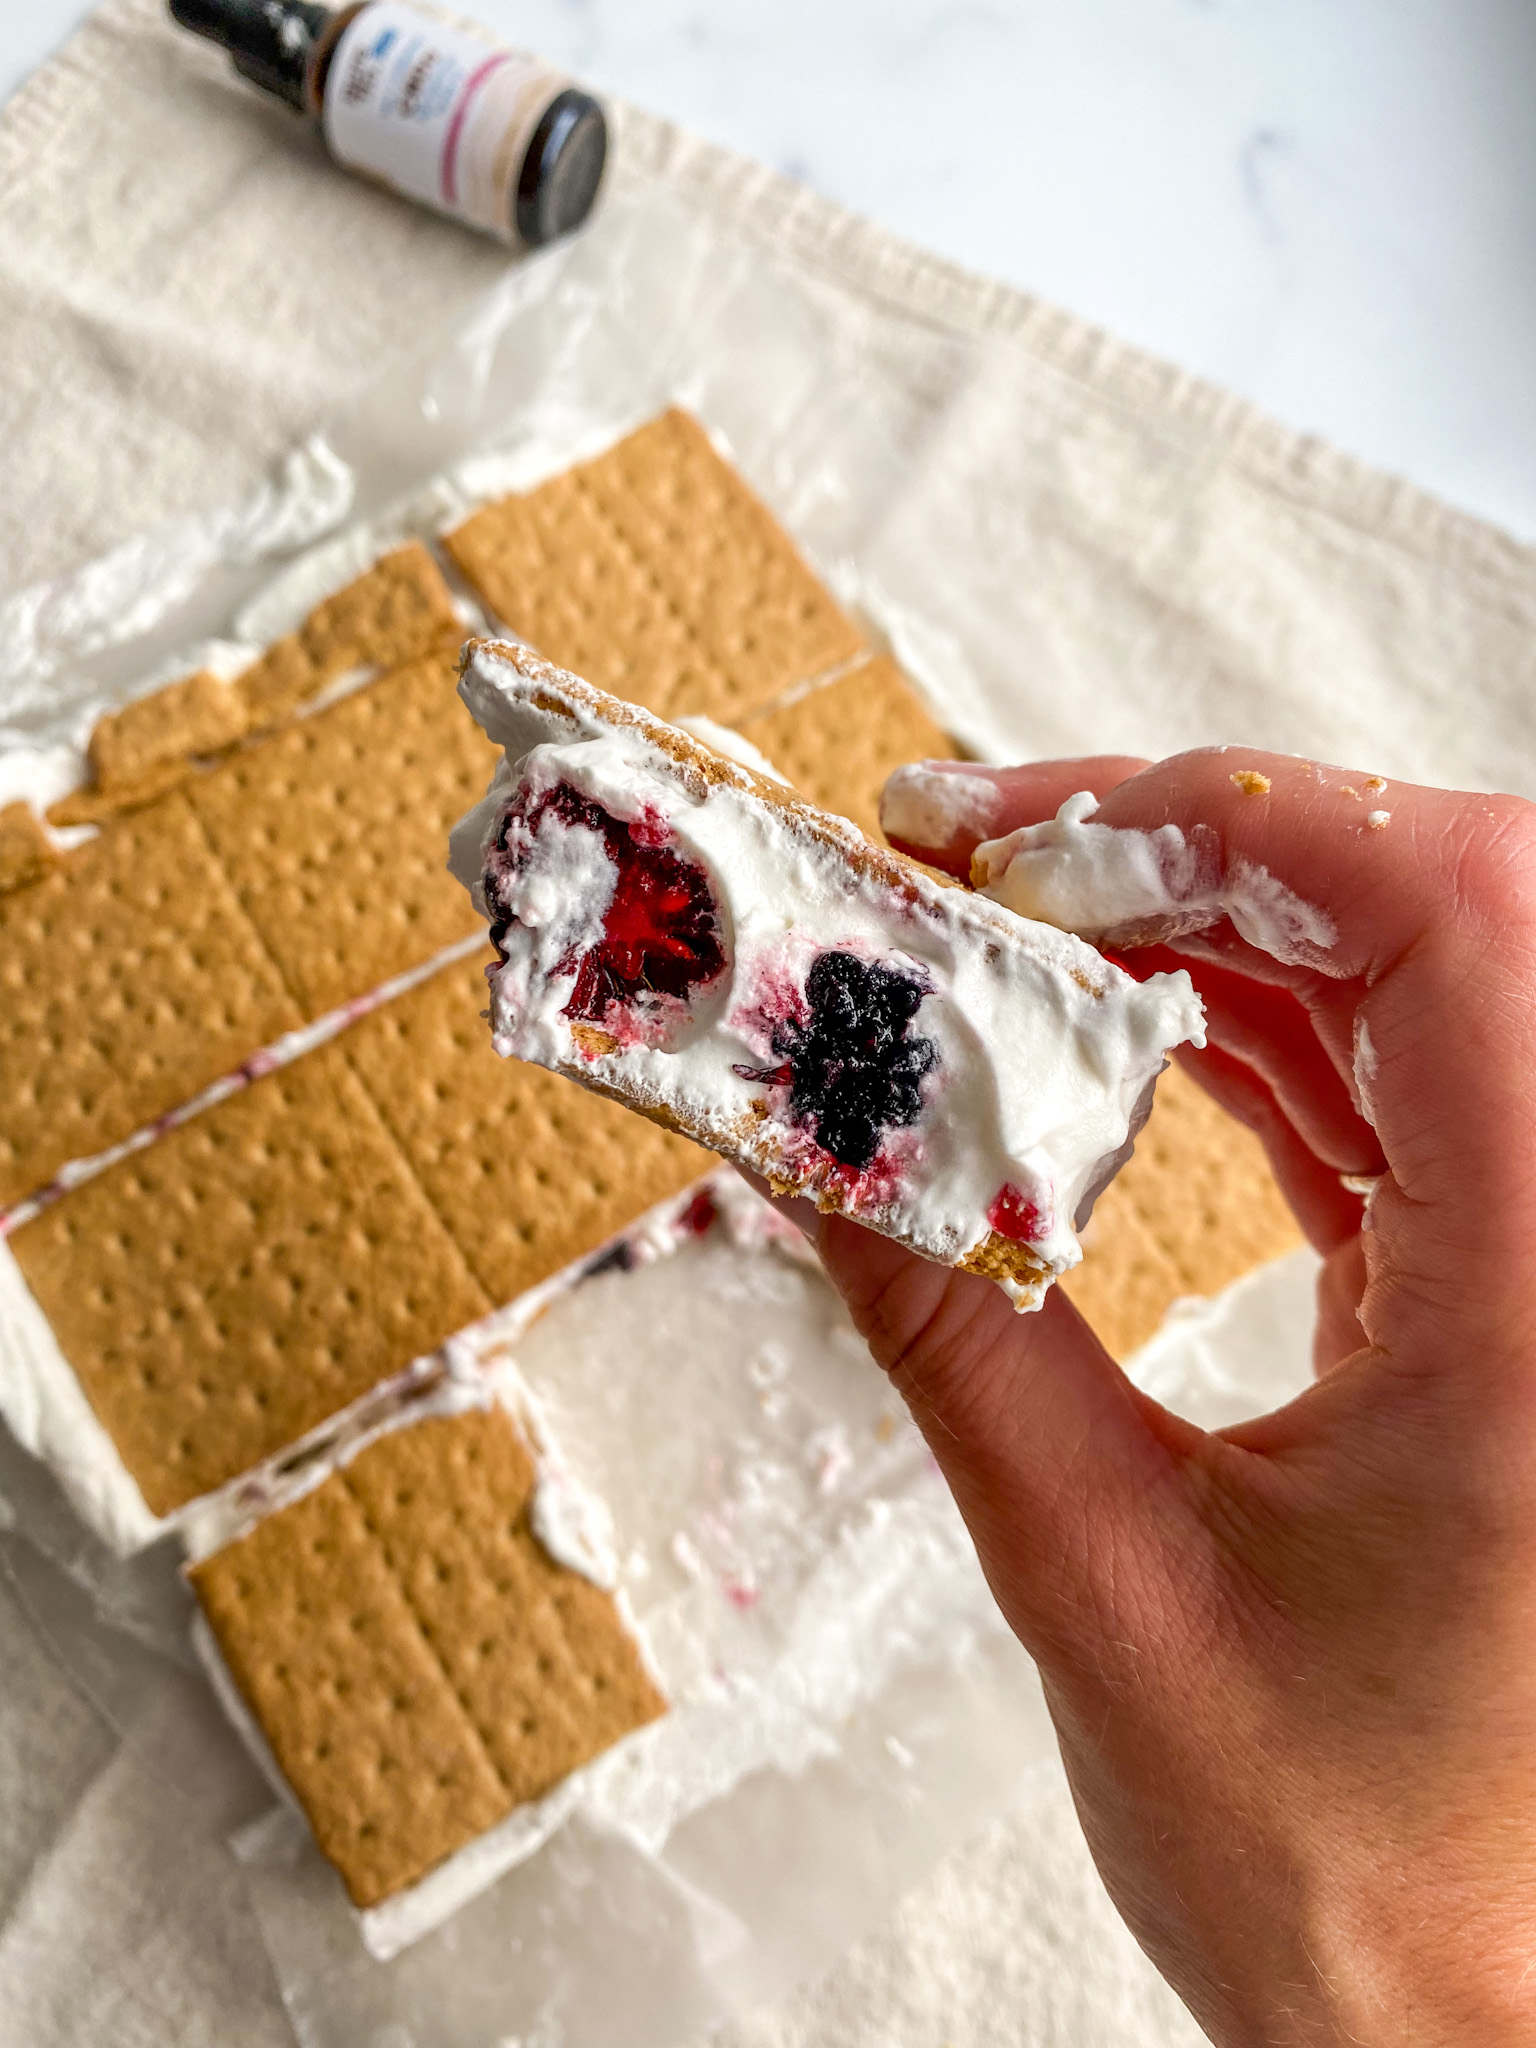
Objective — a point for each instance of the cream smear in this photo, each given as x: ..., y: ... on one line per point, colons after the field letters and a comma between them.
x: 1043, y: 1053
x: 1115, y: 885
x: 48, y: 1414
x: 934, y: 803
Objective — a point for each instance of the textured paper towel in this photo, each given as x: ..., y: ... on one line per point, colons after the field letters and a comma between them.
x: 186, y: 288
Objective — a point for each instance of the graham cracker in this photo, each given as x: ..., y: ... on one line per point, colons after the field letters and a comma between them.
x: 130, y: 978
x: 92, y: 805
x: 527, y: 1170
x: 397, y: 610
x: 838, y: 744
x: 417, y: 1662
x: 655, y: 572
x: 1196, y: 1208
x: 227, y: 1289
x: 25, y: 853
x: 202, y: 714
x: 334, y: 833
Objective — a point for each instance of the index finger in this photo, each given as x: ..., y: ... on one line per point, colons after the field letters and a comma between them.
x: 1421, y: 902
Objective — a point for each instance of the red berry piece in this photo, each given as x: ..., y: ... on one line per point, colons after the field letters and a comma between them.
x: 661, y: 936
x: 1014, y: 1215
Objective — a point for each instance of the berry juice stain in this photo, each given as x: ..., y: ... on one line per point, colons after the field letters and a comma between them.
x: 661, y: 936
x: 853, y: 1067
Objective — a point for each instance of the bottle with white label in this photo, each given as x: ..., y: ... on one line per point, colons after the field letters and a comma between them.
x: 436, y: 109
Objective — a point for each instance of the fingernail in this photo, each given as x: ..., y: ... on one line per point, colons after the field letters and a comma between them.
x: 933, y: 803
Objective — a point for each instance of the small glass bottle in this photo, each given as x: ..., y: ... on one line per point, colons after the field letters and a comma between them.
x: 444, y: 114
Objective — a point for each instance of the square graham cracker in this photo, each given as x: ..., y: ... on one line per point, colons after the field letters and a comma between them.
x: 25, y: 852
x: 838, y: 744
x: 130, y: 978
x: 396, y: 611
x: 654, y: 572
x: 229, y: 1288
x: 1195, y: 1208
x: 529, y: 1171
x: 334, y: 834
x: 419, y: 1665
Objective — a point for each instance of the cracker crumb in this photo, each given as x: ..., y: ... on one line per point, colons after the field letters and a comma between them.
x: 1251, y: 782
x: 1376, y: 784
x: 1378, y: 820
x: 1348, y: 789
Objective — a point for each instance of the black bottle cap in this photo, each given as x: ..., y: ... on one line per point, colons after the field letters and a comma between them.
x: 562, y: 169
x: 271, y: 41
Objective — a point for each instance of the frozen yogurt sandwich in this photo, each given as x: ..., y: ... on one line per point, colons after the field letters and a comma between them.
x: 678, y: 930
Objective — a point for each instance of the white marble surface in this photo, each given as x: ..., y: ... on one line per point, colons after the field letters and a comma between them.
x: 1327, y: 205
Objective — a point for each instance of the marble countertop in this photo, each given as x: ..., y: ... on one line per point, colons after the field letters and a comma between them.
x: 1328, y: 206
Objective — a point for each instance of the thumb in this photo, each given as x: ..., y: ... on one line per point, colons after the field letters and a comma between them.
x: 1070, y: 1481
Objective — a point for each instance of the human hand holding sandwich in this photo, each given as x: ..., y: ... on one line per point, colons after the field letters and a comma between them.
x: 1292, y: 1664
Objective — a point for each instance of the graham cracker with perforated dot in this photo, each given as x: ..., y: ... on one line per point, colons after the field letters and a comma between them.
x: 396, y: 611
x: 201, y: 714
x: 419, y: 1665
x: 1195, y: 1209
x: 90, y: 804
x: 327, y: 842
x: 130, y: 978
x: 334, y: 833
x: 229, y: 1288
x: 25, y: 854
x: 153, y: 745
x: 654, y: 572
x: 234, y: 1285
x: 838, y: 744
x: 529, y: 1172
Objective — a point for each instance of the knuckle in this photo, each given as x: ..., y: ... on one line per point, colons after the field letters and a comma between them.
x: 1494, y: 842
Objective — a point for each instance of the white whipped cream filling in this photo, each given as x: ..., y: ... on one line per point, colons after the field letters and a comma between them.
x: 1045, y: 1050
x: 932, y: 803
x: 47, y: 1412
x: 1111, y: 882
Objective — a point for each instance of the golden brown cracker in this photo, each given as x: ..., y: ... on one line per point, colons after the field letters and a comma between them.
x: 92, y: 805
x: 334, y: 834
x: 25, y: 853
x: 417, y: 1662
x: 838, y: 744
x: 225, y: 1290
x: 130, y: 978
x: 395, y: 612
x: 1196, y: 1208
x: 201, y: 714
x: 529, y: 1171
x: 655, y: 572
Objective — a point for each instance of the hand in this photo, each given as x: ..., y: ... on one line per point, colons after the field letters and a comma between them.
x: 1292, y: 1665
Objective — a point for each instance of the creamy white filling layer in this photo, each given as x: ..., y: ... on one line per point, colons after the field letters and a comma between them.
x: 1045, y: 1051
x: 47, y: 1412
x: 930, y: 803
x: 1102, y: 881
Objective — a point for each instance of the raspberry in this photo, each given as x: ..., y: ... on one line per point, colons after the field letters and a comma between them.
x: 852, y: 1070
x: 660, y: 933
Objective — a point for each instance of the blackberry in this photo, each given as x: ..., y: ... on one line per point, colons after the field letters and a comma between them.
x: 853, y: 1070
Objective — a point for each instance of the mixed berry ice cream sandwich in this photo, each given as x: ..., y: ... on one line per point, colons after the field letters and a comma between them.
x: 678, y: 930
